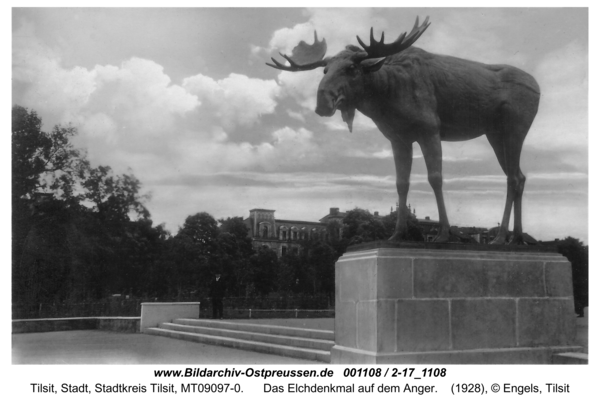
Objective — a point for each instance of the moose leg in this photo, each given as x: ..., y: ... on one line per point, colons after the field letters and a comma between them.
x: 507, y: 147
x: 518, y: 230
x: 497, y: 143
x: 403, y: 160
x: 432, y: 152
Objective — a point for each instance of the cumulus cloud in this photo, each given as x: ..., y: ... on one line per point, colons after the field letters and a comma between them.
x: 140, y: 95
x: 206, y: 153
x: 52, y: 89
x: 236, y: 99
x: 338, y: 26
x: 133, y: 115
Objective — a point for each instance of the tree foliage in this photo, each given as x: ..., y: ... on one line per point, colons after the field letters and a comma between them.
x: 79, y: 232
x: 361, y: 226
x: 578, y: 254
x: 43, y: 162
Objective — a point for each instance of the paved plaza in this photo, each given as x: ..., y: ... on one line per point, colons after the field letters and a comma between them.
x: 104, y: 347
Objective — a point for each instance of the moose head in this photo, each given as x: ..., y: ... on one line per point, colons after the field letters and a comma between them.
x: 342, y: 87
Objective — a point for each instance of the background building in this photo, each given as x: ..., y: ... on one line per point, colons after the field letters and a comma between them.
x: 283, y: 236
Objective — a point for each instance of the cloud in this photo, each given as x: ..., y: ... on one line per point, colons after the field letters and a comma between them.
x: 471, y: 34
x: 205, y: 153
x: 234, y: 100
x: 296, y: 115
x: 51, y: 88
x: 562, y: 117
x: 131, y: 108
x: 381, y: 154
x: 140, y: 95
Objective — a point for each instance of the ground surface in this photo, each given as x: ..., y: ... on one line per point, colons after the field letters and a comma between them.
x: 103, y: 347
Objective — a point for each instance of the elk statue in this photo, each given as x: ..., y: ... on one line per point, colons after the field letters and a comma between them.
x: 416, y: 96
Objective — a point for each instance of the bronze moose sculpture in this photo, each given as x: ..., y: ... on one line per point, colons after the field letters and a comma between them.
x: 415, y: 96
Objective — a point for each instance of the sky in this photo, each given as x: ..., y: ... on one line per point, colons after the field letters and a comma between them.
x: 182, y: 97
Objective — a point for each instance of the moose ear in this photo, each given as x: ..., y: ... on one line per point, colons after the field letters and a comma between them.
x: 371, y: 65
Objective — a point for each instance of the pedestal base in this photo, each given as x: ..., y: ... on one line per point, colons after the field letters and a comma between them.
x: 404, y: 305
x: 532, y: 355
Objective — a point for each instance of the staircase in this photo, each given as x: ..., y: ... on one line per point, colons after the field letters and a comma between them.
x: 307, y: 344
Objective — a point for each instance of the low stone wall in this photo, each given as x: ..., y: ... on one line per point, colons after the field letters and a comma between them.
x: 117, y: 324
x: 155, y: 313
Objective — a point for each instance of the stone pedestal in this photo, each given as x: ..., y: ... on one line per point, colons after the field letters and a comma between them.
x: 407, y: 305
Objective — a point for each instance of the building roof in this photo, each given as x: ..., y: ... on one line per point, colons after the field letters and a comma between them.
x: 281, y: 221
x: 427, y: 221
x: 337, y: 215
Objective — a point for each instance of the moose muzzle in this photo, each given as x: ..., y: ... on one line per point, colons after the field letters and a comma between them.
x: 328, y: 102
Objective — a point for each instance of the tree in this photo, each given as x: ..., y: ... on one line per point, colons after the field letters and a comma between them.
x: 114, y: 197
x: 202, y: 230
x: 195, y: 254
x: 577, y: 253
x: 43, y: 161
x: 235, y: 226
x: 234, y: 250
x: 63, y: 249
x: 322, y: 258
x: 361, y: 226
x: 264, y: 266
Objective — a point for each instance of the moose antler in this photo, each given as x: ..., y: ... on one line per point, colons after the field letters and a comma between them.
x: 304, y: 56
x: 379, y: 49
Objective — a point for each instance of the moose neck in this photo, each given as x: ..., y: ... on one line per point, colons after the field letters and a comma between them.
x: 380, y: 93
x: 390, y: 96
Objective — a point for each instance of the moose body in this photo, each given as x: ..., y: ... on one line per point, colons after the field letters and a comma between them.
x: 416, y: 96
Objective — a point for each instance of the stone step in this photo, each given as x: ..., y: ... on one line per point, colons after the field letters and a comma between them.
x: 261, y: 347
x: 258, y: 328
x: 302, y: 342
x: 570, y: 359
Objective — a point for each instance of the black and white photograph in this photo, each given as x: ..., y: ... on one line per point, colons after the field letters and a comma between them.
x: 365, y: 188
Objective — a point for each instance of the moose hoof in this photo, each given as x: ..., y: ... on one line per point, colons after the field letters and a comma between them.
x: 517, y: 240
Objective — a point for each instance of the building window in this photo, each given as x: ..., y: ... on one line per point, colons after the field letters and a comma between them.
x: 283, y: 250
x: 265, y: 232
